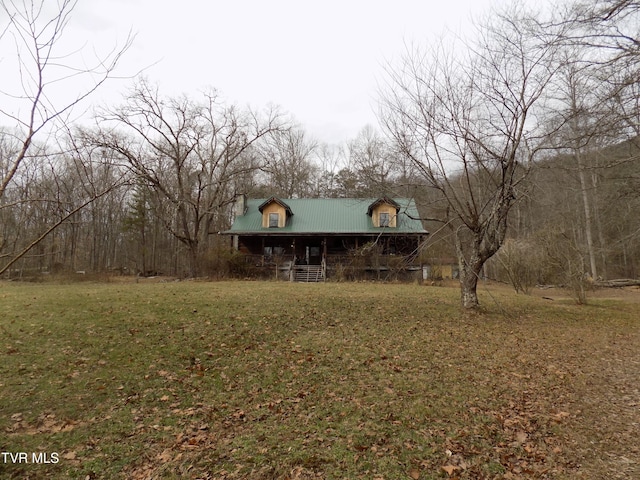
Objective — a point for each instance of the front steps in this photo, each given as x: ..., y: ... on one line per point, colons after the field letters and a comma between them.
x: 308, y: 273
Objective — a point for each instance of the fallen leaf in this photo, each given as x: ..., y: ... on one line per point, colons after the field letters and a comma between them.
x: 450, y: 469
x: 414, y: 473
x: 521, y: 437
x: 69, y: 456
x: 165, y: 456
x: 558, y: 417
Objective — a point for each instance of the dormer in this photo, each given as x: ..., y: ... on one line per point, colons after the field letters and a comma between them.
x: 274, y: 213
x: 384, y: 213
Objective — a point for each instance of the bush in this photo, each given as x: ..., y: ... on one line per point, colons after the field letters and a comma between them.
x: 565, y: 263
x: 521, y: 261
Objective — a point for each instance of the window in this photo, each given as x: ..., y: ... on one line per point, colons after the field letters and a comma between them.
x: 384, y: 219
x: 274, y: 220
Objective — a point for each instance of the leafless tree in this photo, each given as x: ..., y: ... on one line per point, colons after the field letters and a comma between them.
x: 50, y: 192
x: 33, y: 91
x: 606, y: 35
x: 597, y: 96
x: 288, y: 163
x: 472, y: 120
x: 609, y: 27
x: 370, y: 158
x: 329, y: 158
x: 40, y: 86
x: 188, y: 153
x: 584, y: 123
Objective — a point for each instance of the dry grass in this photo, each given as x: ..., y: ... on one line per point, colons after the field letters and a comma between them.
x: 260, y: 380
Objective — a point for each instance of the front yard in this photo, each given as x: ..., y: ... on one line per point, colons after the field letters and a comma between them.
x: 266, y: 380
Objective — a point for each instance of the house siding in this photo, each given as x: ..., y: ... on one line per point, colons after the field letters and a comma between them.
x: 274, y: 208
x: 384, y: 208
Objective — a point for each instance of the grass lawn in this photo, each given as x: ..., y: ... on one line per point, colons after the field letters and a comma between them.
x: 265, y: 380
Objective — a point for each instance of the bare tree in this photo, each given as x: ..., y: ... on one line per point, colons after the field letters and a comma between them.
x: 584, y: 123
x: 288, y: 163
x: 371, y: 160
x: 49, y: 191
x: 606, y: 36
x: 330, y: 158
x: 472, y: 121
x: 188, y: 153
x: 39, y: 71
x: 40, y: 86
x: 584, y: 190
x: 597, y: 95
x: 609, y: 26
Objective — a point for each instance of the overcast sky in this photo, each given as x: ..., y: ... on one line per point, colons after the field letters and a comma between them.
x: 319, y: 61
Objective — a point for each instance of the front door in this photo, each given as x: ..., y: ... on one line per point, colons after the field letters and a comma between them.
x: 314, y: 254
x: 309, y: 254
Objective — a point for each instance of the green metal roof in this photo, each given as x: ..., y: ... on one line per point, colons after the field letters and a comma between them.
x: 346, y: 216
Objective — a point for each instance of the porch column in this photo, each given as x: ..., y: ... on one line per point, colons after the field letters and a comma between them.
x: 324, y: 249
x: 324, y: 258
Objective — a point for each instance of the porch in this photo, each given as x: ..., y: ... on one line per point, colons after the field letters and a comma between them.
x: 351, y: 266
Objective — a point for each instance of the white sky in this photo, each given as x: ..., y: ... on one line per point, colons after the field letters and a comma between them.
x: 319, y: 61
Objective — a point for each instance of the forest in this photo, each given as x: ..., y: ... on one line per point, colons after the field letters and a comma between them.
x: 520, y: 146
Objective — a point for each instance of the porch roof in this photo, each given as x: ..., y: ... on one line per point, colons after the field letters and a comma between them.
x: 330, y: 216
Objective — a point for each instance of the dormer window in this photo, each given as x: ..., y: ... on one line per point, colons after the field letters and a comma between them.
x: 275, y: 213
x: 384, y: 213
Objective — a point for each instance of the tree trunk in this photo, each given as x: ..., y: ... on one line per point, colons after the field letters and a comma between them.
x: 588, y: 219
x: 470, y: 265
x: 602, y: 244
x: 194, y: 251
x: 143, y: 246
x: 468, y: 288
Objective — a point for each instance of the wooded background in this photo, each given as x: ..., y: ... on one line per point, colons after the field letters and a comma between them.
x: 531, y: 116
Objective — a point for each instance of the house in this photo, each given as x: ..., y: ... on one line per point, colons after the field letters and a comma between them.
x: 313, y: 239
x: 441, y: 268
